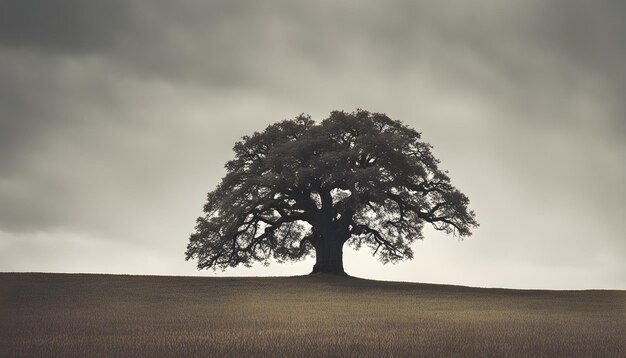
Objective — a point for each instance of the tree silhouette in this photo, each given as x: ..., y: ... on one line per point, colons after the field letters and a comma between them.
x: 300, y: 187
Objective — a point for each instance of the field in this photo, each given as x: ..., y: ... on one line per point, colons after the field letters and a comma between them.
x: 117, y: 315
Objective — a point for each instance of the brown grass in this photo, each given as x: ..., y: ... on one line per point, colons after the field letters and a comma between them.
x: 108, y: 315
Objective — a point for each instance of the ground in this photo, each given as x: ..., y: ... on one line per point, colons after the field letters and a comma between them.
x: 120, y: 315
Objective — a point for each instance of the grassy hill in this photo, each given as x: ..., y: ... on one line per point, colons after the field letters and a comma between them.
x: 117, y: 315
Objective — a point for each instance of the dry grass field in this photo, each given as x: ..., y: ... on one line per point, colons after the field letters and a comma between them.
x: 114, y: 315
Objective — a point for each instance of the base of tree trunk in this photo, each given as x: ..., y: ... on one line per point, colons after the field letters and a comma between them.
x: 318, y: 270
x: 329, y: 256
x: 329, y: 273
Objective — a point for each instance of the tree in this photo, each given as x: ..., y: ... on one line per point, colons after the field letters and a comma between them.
x: 300, y: 187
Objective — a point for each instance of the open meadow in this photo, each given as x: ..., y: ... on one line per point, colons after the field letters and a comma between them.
x: 117, y: 315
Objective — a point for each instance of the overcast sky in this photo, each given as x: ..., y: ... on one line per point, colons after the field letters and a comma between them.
x: 116, y: 118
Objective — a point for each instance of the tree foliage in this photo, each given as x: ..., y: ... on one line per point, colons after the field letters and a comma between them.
x: 359, y: 177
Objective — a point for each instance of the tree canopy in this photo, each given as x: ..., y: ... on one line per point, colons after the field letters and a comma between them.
x: 299, y: 188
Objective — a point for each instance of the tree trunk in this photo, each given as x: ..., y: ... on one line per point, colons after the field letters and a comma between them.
x: 329, y: 256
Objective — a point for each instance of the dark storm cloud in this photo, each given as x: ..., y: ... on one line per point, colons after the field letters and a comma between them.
x: 251, y: 44
x: 118, y: 115
x: 67, y: 25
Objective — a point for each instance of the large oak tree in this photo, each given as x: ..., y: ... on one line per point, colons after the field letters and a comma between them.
x: 300, y: 187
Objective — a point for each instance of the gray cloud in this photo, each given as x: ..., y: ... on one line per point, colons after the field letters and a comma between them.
x: 64, y: 26
x: 116, y: 118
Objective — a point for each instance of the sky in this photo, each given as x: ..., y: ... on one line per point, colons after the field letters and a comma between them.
x: 117, y: 117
